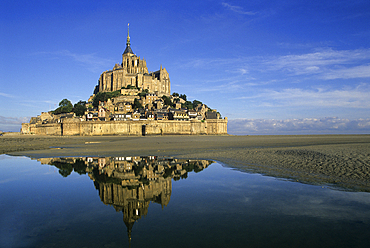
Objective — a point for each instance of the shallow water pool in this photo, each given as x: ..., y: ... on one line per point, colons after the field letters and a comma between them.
x: 167, y: 202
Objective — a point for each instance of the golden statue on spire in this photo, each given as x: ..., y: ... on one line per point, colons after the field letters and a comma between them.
x: 128, y: 34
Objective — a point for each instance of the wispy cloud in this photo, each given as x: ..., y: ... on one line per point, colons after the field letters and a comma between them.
x: 329, y: 125
x: 323, y: 64
x: 91, y: 61
x: 356, y: 97
x: 237, y: 9
x: 12, y: 124
x: 204, y: 63
x: 6, y: 95
x: 242, y: 73
x: 326, y: 63
x: 323, y: 204
x: 13, y: 120
x: 362, y: 71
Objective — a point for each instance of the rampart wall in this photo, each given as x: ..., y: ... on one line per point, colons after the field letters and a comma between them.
x: 135, y: 128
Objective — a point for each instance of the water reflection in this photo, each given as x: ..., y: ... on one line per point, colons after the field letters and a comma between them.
x: 53, y: 206
x: 129, y: 184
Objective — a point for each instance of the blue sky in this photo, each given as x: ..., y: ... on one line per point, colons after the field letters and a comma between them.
x: 271, y: 67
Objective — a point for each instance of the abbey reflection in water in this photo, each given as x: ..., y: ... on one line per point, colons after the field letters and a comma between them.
x: 129, y: 184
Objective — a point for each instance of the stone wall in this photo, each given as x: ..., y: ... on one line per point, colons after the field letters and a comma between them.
x: 41, y: 129
x: 135, y: 128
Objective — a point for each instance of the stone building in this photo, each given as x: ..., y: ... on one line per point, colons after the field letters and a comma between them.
x: 134, y: 72
x: 120, y: 115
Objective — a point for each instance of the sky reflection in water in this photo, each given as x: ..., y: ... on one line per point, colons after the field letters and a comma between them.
x: 169, y: 203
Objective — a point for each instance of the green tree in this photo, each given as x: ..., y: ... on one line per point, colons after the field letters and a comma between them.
x: 187, y: 104
x: 183, y: 96
x: 167, y: 100
x: 129, y: 87
x: 79, y: 108
x: 65, y: 169
x: 137, y: 104
x: 79, y: 166
x: 143, y: 93
x: 174, y: 94
x: 65, y: 106
x: 104, y: 96
x: 196, y: 103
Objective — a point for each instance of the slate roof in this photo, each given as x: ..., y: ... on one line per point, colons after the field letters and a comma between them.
x: 128, y: 50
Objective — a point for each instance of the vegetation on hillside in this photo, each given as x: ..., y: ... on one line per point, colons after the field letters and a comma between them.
x: 65, y: 106
x: 191, y: 105
x: 137, y: 104
x: 129, y: 87
x: 143, y: 93
x: 79, y: 108
x: 104, y: 96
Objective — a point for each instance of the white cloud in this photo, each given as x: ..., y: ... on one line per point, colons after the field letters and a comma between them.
x: 6, y: 95
x: 329, y: 125
x: 13, y: 120
x: 326, y: 63
x: 328, y: 204
x: 362, y: 71
x: 323, y: 64
x: 237, y: 9
x: 357, y: 97
x: 12, y: 124
x: 207, y: 63
x: 90, y: 61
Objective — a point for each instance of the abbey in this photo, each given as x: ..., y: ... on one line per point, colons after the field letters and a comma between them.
x: 134, y: 72
x: 141, y: 104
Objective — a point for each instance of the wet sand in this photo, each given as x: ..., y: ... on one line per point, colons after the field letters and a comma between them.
x: 335, y: 160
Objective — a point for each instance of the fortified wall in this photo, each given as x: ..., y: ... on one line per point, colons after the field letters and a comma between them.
x: 135, y: 128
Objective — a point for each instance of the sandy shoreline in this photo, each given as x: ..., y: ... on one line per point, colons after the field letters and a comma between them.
x: 338, y: 160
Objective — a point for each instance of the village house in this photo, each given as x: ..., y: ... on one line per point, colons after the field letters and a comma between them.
x: 149, y: 115
x: 192, y: 114
x: 121, y: 117
x: 149, y: 99
x: 161, y: 114
x: 122, y: 108
x: 180, y: 116
x: 135, y: 116
x: 211, y: 115
x: 102, y: 113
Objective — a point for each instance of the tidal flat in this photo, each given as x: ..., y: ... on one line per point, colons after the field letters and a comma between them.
x: 334, y: 160
x: 182, y: 191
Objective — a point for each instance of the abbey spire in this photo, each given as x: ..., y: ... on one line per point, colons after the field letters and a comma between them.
x: 128, y: 45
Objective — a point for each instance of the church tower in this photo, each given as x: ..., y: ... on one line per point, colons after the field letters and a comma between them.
x: 133, y: 71
x: 131, y: 63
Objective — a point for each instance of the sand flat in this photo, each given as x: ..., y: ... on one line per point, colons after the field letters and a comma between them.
x: 337, y: 160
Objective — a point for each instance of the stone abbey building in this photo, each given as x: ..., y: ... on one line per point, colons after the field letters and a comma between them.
x: 118, y: 116
x: 133, y: 71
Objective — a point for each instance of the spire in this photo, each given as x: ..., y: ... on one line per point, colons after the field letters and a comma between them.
x: 128, y: 47
x: 128, y: 34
